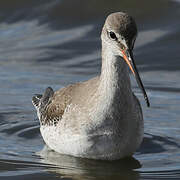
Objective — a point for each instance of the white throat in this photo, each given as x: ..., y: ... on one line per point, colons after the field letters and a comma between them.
x: 114, y: 92
x: 114, y: 79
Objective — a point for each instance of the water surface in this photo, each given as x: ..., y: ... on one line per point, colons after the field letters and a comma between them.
x: 56, y: 43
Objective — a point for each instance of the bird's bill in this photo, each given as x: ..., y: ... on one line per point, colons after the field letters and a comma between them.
x: 128, y: 57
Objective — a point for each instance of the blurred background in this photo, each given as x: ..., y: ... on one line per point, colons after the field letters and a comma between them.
x: 54, y: 43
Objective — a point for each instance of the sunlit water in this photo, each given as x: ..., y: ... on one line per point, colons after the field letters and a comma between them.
x: 42, y: 45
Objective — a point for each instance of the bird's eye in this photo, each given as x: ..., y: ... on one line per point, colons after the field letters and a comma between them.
x: 112, y: 35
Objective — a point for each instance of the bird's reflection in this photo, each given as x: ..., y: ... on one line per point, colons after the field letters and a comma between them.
x: 78, y: 168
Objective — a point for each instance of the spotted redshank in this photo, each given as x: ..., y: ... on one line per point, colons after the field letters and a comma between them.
x: 100, y: 118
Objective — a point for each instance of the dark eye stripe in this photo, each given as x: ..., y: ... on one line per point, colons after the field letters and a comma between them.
x: 122, y: 46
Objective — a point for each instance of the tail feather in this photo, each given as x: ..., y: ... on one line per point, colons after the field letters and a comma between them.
x: 36, y: 99
x: 40, y: 101
x: 46, y: 96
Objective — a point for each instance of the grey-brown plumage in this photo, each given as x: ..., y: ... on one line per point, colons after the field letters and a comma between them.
x: 128, y: 28
x: 100, y: 118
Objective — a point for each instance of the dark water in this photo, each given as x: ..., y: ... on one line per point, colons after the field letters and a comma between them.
x: 54, y: 43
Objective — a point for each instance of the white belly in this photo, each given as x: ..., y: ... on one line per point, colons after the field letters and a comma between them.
x: 103, y: 145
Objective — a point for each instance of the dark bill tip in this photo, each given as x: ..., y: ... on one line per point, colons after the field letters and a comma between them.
x: 128, y: 57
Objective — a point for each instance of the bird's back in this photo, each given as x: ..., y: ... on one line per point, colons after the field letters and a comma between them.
x: 52, y: 105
